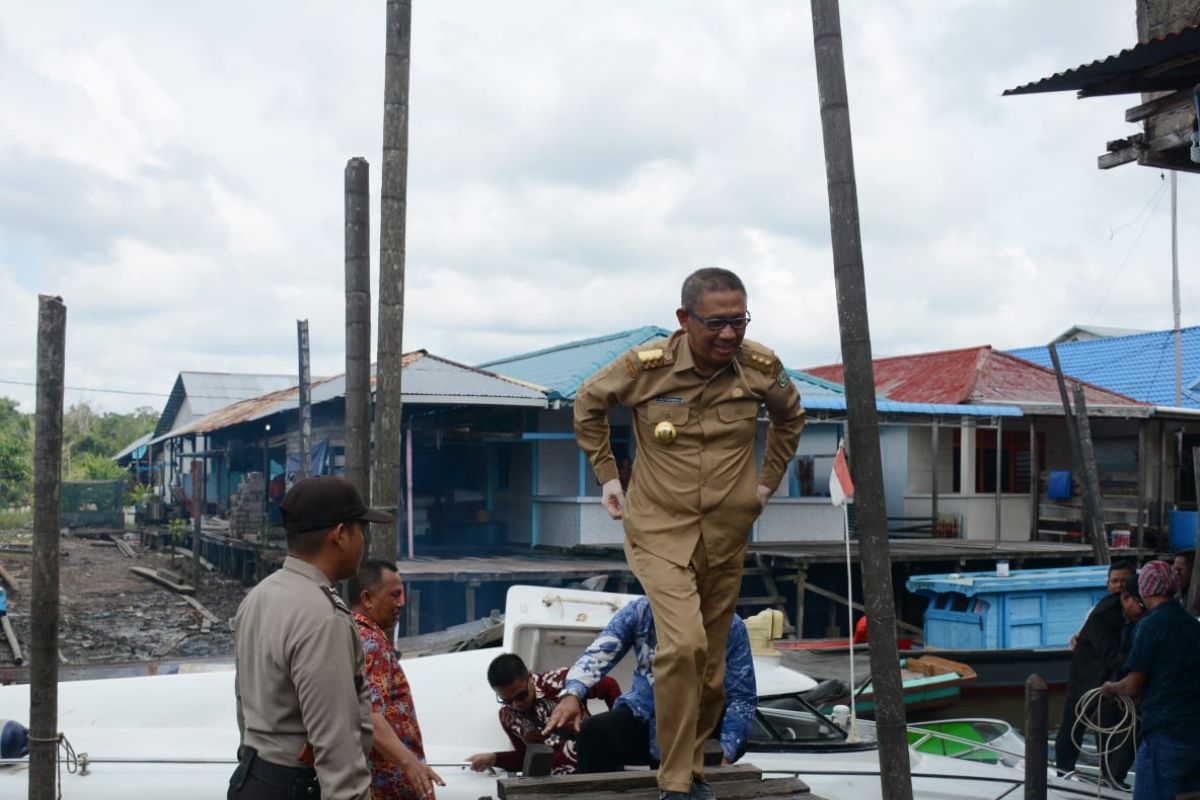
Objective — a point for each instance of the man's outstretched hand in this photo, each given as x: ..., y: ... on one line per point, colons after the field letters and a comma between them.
x: 567, y: 714
x: 613, y: 498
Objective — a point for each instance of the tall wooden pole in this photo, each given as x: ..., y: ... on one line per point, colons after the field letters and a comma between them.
x: 305, y: 399
x: 198, y: 496
x: 47, y: 492
x: 1091, y: 477
x: 385, y: 480
x: 358, y: 326
x: 1037, y: 710
x: 1069, y: 418
x: 866, y: 463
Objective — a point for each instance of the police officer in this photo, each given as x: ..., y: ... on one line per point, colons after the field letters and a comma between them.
x: 303, y: 707
x: 693, y: 496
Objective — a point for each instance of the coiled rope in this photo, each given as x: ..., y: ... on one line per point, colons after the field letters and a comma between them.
x: 1109, y: 738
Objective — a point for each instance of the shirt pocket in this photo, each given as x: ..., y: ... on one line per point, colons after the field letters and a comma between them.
x: 654, y: 413
x: 738, y: 410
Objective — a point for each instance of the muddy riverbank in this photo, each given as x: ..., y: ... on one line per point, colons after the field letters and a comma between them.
x: 108, y: 613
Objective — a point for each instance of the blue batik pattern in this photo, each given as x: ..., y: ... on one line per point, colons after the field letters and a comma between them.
x: 633, y: 628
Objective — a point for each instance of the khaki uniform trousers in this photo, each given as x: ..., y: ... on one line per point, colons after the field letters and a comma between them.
x: 693, y: 608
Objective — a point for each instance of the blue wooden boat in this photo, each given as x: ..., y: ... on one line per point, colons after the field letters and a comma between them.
x: 1009, y: 626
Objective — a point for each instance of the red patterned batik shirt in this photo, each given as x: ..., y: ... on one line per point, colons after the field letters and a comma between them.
x: 525, y: 727
x: 391, y: 696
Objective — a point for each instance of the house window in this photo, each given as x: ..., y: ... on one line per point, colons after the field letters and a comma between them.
x: 1015, y: 467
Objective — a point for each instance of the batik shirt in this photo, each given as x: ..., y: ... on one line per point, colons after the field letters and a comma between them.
x: 392, y: 697
x: 525, y: 727
x: 633, y: 628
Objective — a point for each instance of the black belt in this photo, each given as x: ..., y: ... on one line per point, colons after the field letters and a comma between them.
x: 293, y: 782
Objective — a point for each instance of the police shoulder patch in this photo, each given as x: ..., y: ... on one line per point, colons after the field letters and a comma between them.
x: 764, y: 362
x: 336, y: 599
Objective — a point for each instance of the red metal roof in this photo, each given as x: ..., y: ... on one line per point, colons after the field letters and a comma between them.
x: 972, y: 376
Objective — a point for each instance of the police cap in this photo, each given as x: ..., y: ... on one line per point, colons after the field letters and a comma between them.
x: 323, y: 501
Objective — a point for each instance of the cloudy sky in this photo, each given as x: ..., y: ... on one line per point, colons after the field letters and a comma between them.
x: 174, y: 171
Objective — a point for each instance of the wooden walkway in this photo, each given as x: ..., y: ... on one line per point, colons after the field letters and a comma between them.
x: 740, y: 782
x: 916, y: 550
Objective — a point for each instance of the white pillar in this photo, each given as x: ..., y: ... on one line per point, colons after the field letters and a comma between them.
x: 966, y: 457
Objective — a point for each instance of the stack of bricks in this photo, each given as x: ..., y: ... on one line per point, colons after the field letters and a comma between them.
x: 246, y: 506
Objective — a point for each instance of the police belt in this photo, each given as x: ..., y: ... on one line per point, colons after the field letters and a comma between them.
x: 286, y: 779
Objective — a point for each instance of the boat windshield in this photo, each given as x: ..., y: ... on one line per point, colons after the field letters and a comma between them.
x: 789, y: 719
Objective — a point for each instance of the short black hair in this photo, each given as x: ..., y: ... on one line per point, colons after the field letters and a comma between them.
x: 506, y: 668
x: 306, y: 543
x: 1131, y: 587
x: 368, y: 578
x: 1188, y: 555
x: 709, y: 279
x: 1121, y: 563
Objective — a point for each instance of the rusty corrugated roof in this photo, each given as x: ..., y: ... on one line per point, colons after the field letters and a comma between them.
x: 970, y: 376
x: 1145, y: 67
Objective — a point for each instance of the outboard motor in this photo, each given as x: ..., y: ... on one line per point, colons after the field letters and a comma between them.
x: 14, y: 739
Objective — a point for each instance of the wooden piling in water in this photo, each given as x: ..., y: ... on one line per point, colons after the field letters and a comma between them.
x: 358, y: 326
x: 44, y: 600
x: 1037, y: 713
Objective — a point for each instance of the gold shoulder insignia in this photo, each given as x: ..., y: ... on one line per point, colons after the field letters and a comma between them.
x: 629, y: 366
x: 653, y: 358
x: 762, y: 362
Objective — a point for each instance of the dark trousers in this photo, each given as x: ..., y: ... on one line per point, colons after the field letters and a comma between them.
x: 255, y: 779
x: 609, y: 741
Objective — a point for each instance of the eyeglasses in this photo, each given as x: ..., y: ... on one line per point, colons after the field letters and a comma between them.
x: 519, y: 697
x: 717, y: 324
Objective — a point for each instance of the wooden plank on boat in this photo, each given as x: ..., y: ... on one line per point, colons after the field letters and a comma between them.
x: 724, y: 790
x: 164, y: 578
x: 512, y: 788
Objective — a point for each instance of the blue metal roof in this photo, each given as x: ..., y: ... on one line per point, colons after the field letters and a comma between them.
x: 1141, y: 366
x: 884, y: 406
x: 563, y: 368
x: 1019, y: 580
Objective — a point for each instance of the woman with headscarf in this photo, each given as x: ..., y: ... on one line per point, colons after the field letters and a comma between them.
x: 1164, y: 673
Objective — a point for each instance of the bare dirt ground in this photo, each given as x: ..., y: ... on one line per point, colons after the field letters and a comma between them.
x: 108, y: 613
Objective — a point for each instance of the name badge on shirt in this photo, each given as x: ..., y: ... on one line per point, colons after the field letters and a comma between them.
x: 669, y: 399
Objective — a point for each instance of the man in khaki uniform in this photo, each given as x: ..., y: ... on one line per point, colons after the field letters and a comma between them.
x: 303, y: 706
x: 693, y: 496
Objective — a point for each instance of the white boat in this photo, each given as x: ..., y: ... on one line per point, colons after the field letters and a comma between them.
x: 176, y: 735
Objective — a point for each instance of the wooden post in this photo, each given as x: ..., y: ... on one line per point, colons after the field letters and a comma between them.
x: 1037, y: 712
x: 305, y: 400
x: 358, y: 326
x: 385, y: 479
x: 44, y: 600
x: 1192, y: 600
x: 198, y: 494
x: 1160, y: 500
x: 1035, y: 482
x: 1141, y: 483
x: 1092, y: 484
x: 865, y: 463
x: 999, y: 477
x: 1089, y: 513
x: 933, y: 480
x: 801, y: 580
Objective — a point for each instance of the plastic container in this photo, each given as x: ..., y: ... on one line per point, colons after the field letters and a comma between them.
x: 1183, y: 529
x: 1001, y: 569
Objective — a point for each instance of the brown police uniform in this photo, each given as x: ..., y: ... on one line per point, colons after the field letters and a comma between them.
x: 690, y: 505
x: 300, y: 679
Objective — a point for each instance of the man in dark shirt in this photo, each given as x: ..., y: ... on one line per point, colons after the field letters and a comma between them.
x: 1096, y: 655
x: 1164, y: 671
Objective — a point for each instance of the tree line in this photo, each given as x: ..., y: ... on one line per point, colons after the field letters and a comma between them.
x: 90, y: 440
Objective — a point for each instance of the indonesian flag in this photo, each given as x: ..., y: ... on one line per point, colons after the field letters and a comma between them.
x: 841, y: 488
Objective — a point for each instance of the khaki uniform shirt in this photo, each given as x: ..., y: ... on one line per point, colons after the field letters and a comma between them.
x: 702, y: 485
x: 300, y: 679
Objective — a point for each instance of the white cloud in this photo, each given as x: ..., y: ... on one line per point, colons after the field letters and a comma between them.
x: 178, y: 177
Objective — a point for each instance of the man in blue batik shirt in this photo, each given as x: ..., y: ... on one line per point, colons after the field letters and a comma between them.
x: 626, y: 734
